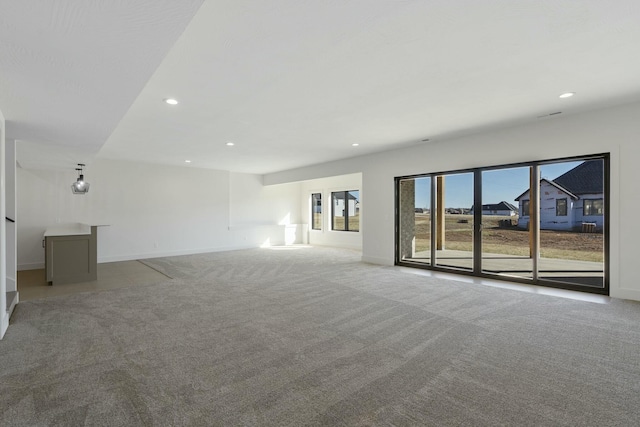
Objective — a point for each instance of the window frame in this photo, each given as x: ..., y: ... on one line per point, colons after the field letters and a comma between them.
x: 346, y: 215
x: 566, y: 207
x: 477, y: 272
x: 584, y: 207
x: 313, y: 211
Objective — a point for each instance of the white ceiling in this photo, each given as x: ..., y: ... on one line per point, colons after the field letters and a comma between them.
x: 70, y: 70
x: 297, y: 82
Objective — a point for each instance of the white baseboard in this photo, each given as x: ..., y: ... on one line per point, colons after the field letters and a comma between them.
x: 133, y: 257
x: 31, y: 266
x: 631, y: 294
x: 377, y: 260
x: 11, y: 284
x: 335, y: 245
x: 4, y: 323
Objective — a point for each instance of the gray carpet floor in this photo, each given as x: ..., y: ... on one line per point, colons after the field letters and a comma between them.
x: 312, y: 336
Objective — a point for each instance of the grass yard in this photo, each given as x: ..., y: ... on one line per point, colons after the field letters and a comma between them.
x: 317, y: 221
x: 512, y: 240
x: 354, y: 223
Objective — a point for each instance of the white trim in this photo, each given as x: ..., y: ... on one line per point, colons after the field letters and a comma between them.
x: 133, y: 257
x: 31, y: 266
x: 4, y: 317
x: 4, y: 323
x: 631, y: 294
x: 377, y: 260
x: 338, y: 245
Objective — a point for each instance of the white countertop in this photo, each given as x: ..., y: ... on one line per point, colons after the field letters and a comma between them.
x: 76, y: 229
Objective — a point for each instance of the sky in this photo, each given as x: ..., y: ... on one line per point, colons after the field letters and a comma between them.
x: 497, y: 185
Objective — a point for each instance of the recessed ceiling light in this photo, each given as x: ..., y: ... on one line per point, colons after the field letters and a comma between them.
x: 230, y: 144
x: 171, y: 101
x: 187, y: 161
x: 567, y: 95
x: 355, y: 144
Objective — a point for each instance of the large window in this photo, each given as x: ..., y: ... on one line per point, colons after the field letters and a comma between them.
x: 345, y: 210
x: 593, y: 207
x: 316, y: 211
x: 542, y: 222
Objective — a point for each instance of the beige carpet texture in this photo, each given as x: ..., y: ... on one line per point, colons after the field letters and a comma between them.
x: 312, y: 336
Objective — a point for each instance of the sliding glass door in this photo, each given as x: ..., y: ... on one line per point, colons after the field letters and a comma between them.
x: 540, y: 222
x: 506, y: 240
x: 453, y: 220
x: 572, y: 222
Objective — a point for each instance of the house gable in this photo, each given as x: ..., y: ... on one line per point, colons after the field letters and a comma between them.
x: 553, y: 184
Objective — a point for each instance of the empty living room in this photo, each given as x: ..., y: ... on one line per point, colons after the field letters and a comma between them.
x: 293, y: 213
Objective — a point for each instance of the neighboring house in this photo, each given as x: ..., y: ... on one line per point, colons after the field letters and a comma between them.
x: 574, y: 198
x: 338, y: 204
x: 502, y: 209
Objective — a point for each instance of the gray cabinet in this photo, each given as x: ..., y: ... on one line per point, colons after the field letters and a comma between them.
x: 71, y: 254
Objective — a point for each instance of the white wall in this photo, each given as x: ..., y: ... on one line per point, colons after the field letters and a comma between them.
x: 4, y: 318
x: 326, y: 236
x: 259, y: 214
x: 153, y: 210
x: 10, y: 212
x: 615, y: 130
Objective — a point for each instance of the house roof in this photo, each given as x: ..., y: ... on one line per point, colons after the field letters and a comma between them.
x: 559, y: 187
x: 340, y: 196
x: 502, y: 206
x: 586, y: 178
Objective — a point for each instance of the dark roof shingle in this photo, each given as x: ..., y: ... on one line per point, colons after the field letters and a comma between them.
x: 586, y: 178
x: 502, y: 206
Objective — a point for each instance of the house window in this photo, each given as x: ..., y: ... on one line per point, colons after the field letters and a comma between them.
x: 561, y: 207
x: 316, y: 211
x: 593, y: 207
x: 345, y: 210
x: 525, y: 208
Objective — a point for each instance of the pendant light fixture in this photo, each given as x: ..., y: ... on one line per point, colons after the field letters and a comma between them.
x: 80, y: 186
